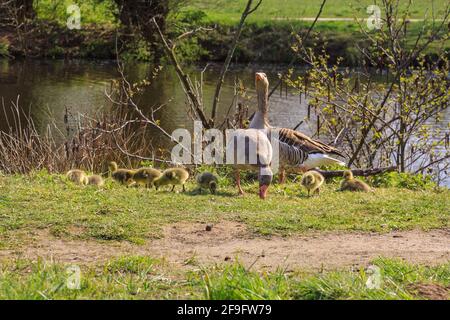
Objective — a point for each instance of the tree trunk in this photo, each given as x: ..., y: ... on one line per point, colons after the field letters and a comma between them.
x: 138, y: 15
x: 357, y: 172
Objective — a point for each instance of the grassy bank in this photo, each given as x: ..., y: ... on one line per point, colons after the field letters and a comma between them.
x: 139, y: 277
x: 43, y: 201
x: 230, y: 10
x: 267, y: 37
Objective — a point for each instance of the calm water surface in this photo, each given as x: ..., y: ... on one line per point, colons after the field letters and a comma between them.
x: 47, y: 87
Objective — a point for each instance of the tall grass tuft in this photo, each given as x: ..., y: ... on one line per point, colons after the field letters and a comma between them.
x: 87, y: 143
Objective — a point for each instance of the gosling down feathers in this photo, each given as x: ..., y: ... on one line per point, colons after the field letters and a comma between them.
x: 123, y: 176
x: 173, y: 177
x: 351, y: 184
x: 146, y: 176
x: 96, y: 180
x: 207, y: 180
x: 78, y: 177
x: 312, y: 180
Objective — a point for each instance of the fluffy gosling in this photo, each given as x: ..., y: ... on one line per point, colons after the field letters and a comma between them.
x: 312, y: 180
x: 123, y: 176
x: 146, y: 176
x: 207, y: 180
x: 351, y: 184
x: 172, y: 176
x: 78, y: 177
x: 96, y: 180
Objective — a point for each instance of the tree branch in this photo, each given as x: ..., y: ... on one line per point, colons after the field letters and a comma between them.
x: 247, y: 11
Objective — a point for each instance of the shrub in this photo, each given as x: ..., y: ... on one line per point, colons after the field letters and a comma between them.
x: 403, y: 180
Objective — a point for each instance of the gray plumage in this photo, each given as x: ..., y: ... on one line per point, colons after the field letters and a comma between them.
x: 207, y: 180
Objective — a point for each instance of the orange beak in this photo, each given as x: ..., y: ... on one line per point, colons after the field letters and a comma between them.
x: 263, y: 191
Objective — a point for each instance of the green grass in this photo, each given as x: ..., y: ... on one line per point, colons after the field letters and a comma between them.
x: 285, y: 16
x: 395, y: 280
x: 230, y: 10
x: 43, y: 201
x: 138, y: 277
x: 97, y: 12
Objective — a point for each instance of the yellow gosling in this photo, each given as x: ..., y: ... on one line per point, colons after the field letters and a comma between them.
x: 123, y: 176
x: 351, y: 184
x: 312, y: 180
x: 77, y: 176
x: 207, y: 180
x: 146, y: 176
x: 173, y: 177
x: 96, y: 180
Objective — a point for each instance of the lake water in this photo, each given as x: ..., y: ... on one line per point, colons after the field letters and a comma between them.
x: 52, y: 86
x: 48, y: 87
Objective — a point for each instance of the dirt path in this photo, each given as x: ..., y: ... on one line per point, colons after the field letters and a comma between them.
x: 228, y: 240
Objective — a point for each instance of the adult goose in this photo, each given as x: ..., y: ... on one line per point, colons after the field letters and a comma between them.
x: 297, y: 151
x: 250, y: 149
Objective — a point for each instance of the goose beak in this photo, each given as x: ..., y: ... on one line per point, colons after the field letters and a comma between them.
x: 263, y: 191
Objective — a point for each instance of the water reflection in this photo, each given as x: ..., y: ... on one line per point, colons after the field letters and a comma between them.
x: 47, y: 88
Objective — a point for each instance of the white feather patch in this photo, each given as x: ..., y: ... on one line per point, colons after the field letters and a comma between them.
x: 319, y: 159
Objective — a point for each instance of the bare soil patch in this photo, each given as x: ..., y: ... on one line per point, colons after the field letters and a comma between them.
x: 431, y: 291
x: 228, y: 241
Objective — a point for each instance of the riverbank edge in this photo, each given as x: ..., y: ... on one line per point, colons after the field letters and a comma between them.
x: 260, y: 43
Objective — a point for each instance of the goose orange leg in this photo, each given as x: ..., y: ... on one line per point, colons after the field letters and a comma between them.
x: 238, y: 182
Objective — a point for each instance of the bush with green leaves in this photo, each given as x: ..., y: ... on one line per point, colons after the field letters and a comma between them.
x: 403, y: 180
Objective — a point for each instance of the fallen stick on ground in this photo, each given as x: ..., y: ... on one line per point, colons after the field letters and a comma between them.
x: 357, y: 172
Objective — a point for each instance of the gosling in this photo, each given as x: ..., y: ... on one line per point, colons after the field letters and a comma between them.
x: 78, y: 177
x: 312, y: 180
x: 123, y: 176
x: 351, y: 184
x: 96, y: 180
x: 172, y: 176
x: 207, y: 180
x: 146, y: 176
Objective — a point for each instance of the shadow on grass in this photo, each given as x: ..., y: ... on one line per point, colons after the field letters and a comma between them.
x: 199, y: 192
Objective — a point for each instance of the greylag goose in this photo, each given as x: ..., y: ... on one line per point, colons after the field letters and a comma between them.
x: 77, y: 176
x: 173, y: 177
x: 312, y: 181
x: 123, y: 176
x: 146, y: 176
x: 351, y: 184
x: 296, y: 150
x: 207, y: 180
x: 96, y: 180
x: 251, y: 149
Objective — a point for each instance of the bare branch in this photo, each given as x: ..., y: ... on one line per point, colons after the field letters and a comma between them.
x: 247, y: 11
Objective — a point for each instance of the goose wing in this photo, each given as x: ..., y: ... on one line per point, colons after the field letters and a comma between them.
x: 306, y: 144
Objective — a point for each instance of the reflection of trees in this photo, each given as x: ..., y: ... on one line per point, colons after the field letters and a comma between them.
x: 16, y: 82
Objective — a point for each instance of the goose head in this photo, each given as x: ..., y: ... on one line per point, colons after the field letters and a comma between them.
x: 261, y: 82
x: 348, y: 175
x: 308, y: 180
x: 262, y: 91
x: 265, y: 178
x: 260, y: 117
x: 112, y: 166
